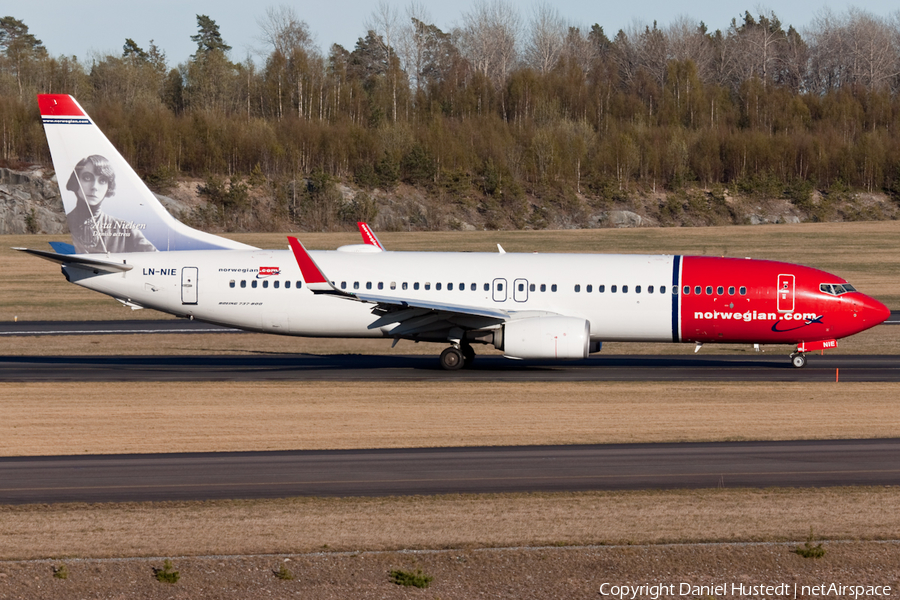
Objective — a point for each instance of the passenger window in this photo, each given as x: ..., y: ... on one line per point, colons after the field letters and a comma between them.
x: 449, y: 287
x: 380, y: 285
x: 253, y: 283
x: 637, y: 289
x: 265, y: 283
x: 487, y: 287
x: 243, y: 283
x: 355, y: 285
x: 416, y: 285
x: 601, y: 288
x: 343, y: 285
x: 577, y: 288
x: 624, y: 289
x: 687, y: 290
x: 521, y: 287
x: 287, y: 285
x: 589, y: 288
x: 698, y: 290
x: 662, y: 290
x: 394, y: 285
x: 720, y: 290
x: 612, y: 289
x: 543, y: 287
x: 709, y: 290
x: 499, y: 287
x: 531, y: 287
x: 299, y: 284
x: 405, y: 285
x: 276, y: 284
x: 462, y: 287
x: 231, y: 283
x: 474, y: 287
x: 553, y: 287
x: 650, y: 290
x: 437, y: 286
x: 731, y: 290
x: 742, y: 291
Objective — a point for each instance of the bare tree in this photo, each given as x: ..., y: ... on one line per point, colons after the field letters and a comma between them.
x: 284, y: 30
x: 547, y: 35
x: 293, y: 49
x: 760, y: 46
x: 687, y: 40
x: 385, y: 22
x: 412, y: 45
x: 489, y: 38
x: 857, y: 48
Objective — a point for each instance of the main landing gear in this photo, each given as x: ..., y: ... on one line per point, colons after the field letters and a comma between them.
x: 457, y: 357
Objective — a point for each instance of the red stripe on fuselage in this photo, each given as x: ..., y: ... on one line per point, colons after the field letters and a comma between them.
x: 803, y: 314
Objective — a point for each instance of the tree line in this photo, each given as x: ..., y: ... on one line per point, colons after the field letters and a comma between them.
x: 500, y: 108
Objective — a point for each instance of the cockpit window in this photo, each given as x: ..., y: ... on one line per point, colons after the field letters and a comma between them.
x: 836, y: 289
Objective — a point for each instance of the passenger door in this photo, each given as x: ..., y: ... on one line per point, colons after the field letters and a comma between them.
x: 785, y: 293
x: 189, y: 276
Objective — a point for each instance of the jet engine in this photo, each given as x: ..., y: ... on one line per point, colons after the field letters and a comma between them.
x: 565, y: 338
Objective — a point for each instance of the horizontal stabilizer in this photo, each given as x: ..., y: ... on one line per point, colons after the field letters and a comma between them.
x: 72, y: 259
x: 62, y: 247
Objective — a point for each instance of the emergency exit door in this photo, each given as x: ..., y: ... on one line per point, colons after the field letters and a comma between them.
x: 785, y: 293
x: 189, y: 277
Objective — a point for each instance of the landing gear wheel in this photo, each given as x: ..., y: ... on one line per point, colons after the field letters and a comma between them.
x: 798, y: 360
x: 468, y: 355
x: 452, y: 359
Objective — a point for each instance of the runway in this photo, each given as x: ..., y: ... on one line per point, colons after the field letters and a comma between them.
x: 137, y: 478
x: 308, y: 367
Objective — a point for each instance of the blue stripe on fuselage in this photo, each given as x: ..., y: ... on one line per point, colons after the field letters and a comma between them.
x: 676, y: 267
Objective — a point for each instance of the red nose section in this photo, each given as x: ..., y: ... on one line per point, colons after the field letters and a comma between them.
x: 872, y: 311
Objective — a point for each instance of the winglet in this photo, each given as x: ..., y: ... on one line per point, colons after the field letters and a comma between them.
x: 368, y: 235
x: 313, y: 276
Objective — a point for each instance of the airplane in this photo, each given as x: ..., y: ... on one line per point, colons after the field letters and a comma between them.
x: 528, y: 306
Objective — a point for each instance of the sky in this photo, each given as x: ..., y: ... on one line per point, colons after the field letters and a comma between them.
x: 91, y: 27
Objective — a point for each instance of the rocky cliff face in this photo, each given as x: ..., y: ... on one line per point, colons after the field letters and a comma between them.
x: 30, y: 202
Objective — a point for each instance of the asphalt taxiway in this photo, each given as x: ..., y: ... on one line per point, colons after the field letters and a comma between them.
x: 245, y: 475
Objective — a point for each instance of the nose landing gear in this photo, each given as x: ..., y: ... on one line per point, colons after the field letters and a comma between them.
x: 798, y: 358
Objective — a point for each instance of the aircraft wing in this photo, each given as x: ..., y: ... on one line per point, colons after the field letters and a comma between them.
x: 80, y: 260
x: 413, y: 316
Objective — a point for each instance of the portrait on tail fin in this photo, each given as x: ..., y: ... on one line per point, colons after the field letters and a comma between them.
x: 93, y: 181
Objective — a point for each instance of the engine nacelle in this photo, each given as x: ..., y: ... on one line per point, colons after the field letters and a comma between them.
x: 565, y: 338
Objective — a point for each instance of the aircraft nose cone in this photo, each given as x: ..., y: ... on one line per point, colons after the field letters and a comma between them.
x: 872, y: 311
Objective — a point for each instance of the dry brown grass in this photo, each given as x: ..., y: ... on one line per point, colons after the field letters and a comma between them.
x: 103, y: 418
x: 867, y: 254
x: 309, y: 524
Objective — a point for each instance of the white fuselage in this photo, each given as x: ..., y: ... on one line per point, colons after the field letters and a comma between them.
x: 218, y: 286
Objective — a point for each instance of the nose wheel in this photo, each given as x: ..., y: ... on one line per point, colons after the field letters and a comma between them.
x: 798, y: 360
